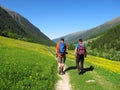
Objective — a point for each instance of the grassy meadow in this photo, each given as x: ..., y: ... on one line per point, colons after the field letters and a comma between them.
x: 101, y: 73
x: 30, y: 66
x: 26, y: 66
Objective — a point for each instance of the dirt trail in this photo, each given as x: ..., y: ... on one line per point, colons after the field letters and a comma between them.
x: 63, y: 83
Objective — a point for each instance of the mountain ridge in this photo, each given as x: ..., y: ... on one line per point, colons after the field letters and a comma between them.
x: 13, y: 23
x: 90, y: 33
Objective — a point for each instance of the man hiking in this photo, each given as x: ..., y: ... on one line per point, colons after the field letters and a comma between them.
x: 61, y: 51
x: 80, y: 53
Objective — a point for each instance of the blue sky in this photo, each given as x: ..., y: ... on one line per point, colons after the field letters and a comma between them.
x: 57, y: 18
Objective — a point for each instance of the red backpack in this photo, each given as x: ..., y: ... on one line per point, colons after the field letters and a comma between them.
x: 81, y: 49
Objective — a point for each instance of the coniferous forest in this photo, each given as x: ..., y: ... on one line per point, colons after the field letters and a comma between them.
x: 107, y: 45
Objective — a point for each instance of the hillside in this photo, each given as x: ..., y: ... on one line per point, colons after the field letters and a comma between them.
x: 16, y: 26
x: 109, y: 44
x: 91, y: 33
x: 26, y: 66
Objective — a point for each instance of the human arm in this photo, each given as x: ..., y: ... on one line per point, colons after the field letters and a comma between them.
x: 75, y: 51
x: 57, y: 49
x: 85, y: 50
x: 66, y: 51
x: 66, y: 47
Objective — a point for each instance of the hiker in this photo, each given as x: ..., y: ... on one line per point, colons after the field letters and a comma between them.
x: 80, y: 52
x: 61, y: 51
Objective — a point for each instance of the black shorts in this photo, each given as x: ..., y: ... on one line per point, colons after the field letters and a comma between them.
x: 80, y: 57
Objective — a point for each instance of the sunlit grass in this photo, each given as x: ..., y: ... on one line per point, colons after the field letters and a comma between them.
x: 106, y: 73
x: 24, y: 45
x: 105, y: 63
x: 102, y: 62
x: 26, y: 66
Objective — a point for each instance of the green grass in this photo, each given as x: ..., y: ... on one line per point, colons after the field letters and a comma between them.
x: 105, y: 74
x: 26, y: 66
x: 79, y: 81
x: 29, y: 66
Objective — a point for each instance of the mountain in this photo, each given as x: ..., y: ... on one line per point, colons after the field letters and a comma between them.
x: 108, y: 45
x: 91, y: 33
x: 14, y: 25
x: 70, y: 37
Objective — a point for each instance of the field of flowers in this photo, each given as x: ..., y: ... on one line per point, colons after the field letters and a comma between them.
x: 30, y: 66
x: 104, y: 63
x: 104, y: 76
x: 26, y: 66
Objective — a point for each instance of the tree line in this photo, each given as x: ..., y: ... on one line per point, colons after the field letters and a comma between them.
x: 107, y: 45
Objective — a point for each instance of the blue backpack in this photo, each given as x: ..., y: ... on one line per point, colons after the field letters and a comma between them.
x: 62, y: 48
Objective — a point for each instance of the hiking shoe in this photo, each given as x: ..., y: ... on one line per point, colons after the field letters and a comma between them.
x: 79, y: 71
x: 62, y: 73
x: 60, y: 70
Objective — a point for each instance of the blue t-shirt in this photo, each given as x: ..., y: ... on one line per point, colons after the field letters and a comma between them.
x: 77, y: 45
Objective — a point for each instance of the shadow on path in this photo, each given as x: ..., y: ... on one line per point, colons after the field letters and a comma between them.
x: 70, y: 68
x: 90, y: 68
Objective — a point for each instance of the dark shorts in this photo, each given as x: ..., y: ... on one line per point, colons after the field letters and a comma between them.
x: 80, y: 57
x: 62, y: 59
x: 80, y: 62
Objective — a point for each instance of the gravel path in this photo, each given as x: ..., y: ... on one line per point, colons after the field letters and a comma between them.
x: 63, y: 83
